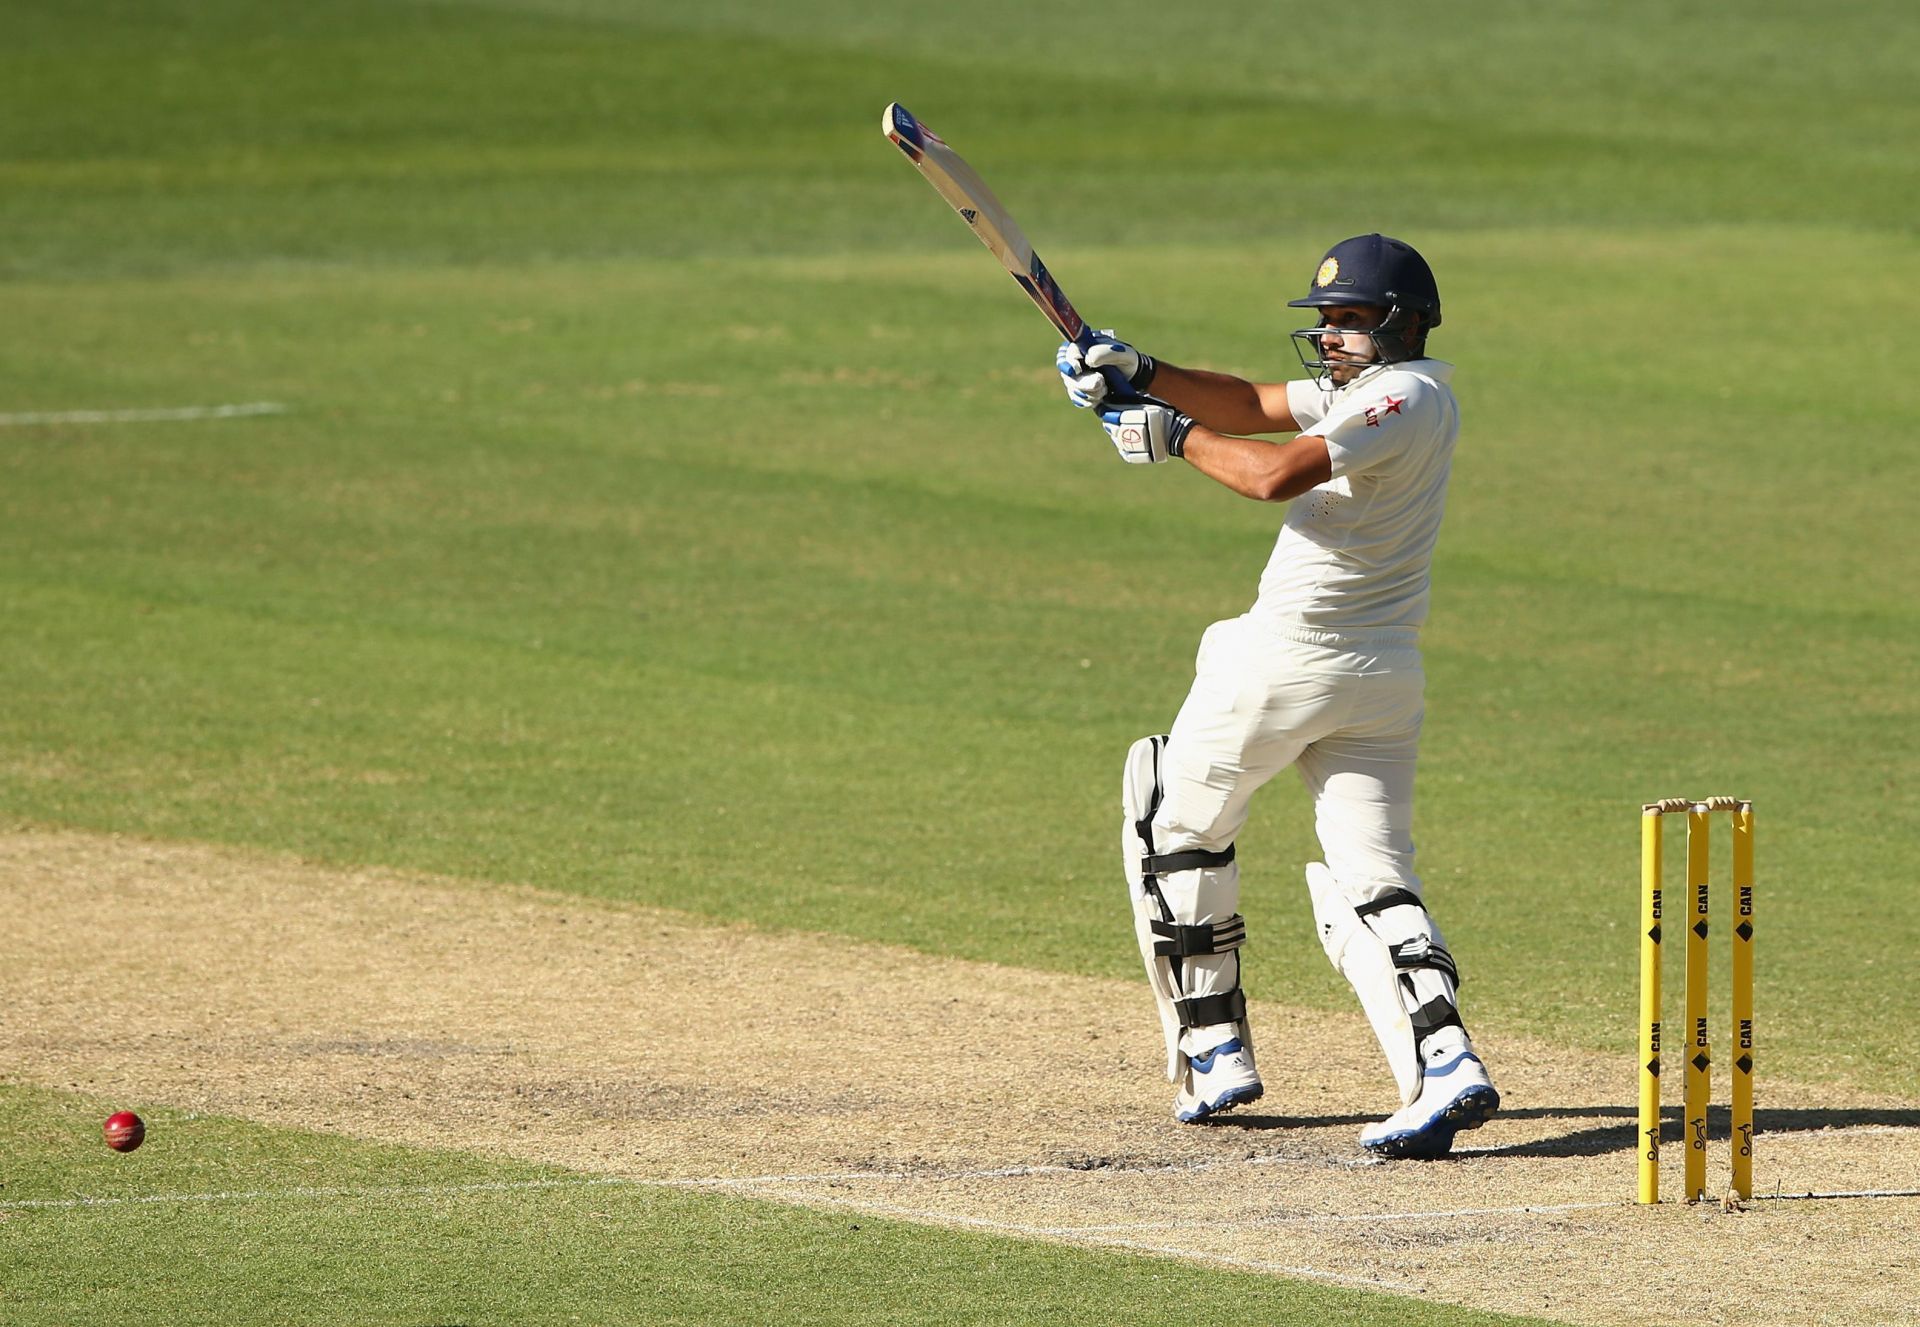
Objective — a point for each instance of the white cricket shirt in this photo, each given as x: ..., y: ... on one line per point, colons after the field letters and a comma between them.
x: 1356, y: 553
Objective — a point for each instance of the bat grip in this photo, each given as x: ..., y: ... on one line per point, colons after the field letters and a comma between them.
x: 1117, y: 383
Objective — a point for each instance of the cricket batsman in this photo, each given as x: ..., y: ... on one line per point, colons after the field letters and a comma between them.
x: 1323, y: 674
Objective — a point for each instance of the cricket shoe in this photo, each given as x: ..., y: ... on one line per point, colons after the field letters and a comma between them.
x: 1455, y: 1095
x: 1222, y: 1078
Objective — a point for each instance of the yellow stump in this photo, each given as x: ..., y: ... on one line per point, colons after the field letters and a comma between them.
x: 1742, y: 1001
x: 1699, y: 1052
x: 1650, y: 1005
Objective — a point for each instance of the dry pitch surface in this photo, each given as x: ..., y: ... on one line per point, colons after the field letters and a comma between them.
x: 630, y: 1042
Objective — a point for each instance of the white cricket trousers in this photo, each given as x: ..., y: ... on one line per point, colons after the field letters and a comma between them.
x: 1343, y: 710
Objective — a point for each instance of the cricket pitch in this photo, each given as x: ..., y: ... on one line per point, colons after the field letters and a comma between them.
x: 815, y: 1070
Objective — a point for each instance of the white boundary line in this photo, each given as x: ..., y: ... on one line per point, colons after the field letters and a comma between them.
x: 304, y: 1192
x: 154, y: 415
x: 749, y: 1182
x: 793, y: 1188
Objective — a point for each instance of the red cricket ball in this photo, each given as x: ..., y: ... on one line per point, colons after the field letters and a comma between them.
x: 124, y: 1131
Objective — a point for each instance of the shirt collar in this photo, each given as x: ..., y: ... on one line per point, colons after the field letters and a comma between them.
x: 1437, y: 369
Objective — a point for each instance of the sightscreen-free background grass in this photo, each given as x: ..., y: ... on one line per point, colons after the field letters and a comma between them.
x: 677, y: 505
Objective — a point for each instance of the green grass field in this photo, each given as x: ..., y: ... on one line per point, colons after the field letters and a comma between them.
x: 288, y: 1227
x: 675, y: 505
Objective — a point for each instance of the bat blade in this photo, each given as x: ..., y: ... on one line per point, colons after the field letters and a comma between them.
x: 968, y: 194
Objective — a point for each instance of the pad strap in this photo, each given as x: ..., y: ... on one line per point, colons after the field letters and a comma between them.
x: 1393, y: 898
x: 1424, y: 953
x: 1419, y: 953
x: 1201, y: 938
x: 1193, y: 859
x: 1203, y: 1010
x: 1434, y: 1015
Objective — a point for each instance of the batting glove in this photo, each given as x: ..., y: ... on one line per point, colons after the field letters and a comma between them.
x: 1107, y: 367
x: 1145, y: 432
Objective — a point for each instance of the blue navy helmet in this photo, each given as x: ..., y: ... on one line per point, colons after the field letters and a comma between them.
x: 1377, y: 270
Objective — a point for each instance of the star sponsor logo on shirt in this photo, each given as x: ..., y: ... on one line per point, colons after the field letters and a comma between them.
x: 1379, y: 410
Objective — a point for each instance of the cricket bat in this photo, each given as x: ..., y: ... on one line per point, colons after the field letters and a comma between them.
x: 968, y: 194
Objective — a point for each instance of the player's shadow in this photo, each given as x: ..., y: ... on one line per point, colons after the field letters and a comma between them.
x: 1598, y: 1140
x: 1625, y: 1137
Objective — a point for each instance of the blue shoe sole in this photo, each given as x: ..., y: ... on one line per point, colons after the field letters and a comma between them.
x: 1240, y: 1096
x: 1469, y: 1110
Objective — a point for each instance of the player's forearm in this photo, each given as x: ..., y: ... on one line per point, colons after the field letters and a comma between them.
x: 1264, y: 471
x: 1223, y: 401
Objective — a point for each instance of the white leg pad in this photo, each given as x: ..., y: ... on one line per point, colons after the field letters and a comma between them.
x: 1185, y: 920
x: 1387, y: 947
